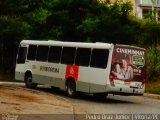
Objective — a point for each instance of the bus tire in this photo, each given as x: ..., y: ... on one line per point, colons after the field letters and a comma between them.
x: 71, y: 88
x: 28, y: 81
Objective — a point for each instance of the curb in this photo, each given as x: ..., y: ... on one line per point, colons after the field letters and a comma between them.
x: 11, y: 83
x: 154, y: 96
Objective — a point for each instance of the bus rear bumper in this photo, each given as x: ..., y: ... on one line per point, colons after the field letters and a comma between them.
x: 125, y: 94
x: 125, y: 90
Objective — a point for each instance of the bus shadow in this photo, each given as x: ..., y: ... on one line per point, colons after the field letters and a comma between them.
x: 86, y: 97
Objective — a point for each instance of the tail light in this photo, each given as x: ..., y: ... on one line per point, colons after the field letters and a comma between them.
x: 144, y: 81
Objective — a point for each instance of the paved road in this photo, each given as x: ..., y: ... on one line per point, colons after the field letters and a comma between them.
x: 118, y: 104
x: 112, y: 104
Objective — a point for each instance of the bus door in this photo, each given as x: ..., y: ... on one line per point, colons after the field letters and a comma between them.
x: 21, y: 60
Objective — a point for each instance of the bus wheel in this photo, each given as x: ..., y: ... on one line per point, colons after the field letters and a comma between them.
x: 28, y: 81
x: 71, y: 88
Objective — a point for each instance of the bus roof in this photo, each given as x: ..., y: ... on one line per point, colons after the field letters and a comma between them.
x: 131, y: 46
x: 67, y: 44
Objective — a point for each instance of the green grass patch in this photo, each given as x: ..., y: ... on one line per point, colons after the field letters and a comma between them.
x: 6, y: 77
x: 153, y: 88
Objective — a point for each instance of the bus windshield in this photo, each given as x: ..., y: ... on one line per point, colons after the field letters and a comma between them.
x: 128, y: 63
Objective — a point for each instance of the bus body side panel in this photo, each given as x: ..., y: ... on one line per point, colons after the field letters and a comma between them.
x: 94, y: 80
x: 21, y: 69
x: 19, y: 73
x: 51, y: 74
x: 91, y: 80
x: 52, y: 81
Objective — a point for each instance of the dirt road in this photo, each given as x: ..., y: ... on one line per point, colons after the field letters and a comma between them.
x: 15, y: 99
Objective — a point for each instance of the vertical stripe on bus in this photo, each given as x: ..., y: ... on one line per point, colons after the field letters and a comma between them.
x: 72, y: 71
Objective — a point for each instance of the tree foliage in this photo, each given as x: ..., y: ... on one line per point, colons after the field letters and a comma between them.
x: 70, y: 20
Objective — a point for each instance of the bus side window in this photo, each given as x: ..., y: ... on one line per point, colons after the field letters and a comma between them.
x: 54, y: 54
x: 32, y: 50
x: 99, y: 58
x: 21, y: 55
x: 83, y: 56
x: 42, y: 53
x: 68, y: 55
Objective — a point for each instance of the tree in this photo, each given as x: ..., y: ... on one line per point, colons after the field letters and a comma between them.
x: 70, y: 20
x: 13, y: 28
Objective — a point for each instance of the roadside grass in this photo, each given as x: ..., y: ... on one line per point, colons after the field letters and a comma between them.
x: 153, y: 87
x: 7, y: 77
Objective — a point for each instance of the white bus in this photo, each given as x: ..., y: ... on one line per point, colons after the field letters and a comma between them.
x: 96, y: 68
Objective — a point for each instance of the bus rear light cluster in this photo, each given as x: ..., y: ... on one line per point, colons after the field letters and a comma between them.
x: 144, y: 81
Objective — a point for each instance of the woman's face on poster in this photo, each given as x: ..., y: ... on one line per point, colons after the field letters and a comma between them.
x: 124, y: 63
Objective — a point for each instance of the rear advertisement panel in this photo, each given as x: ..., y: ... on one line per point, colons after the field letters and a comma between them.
x: 128, y: 63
